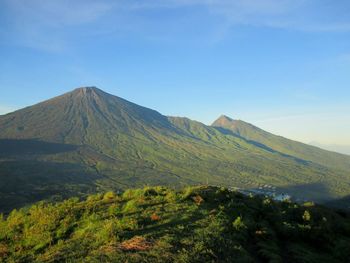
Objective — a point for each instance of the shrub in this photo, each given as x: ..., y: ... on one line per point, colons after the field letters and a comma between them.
x: 309, y: 204
x: 93, y: 198
x: 306, y: 216
x: 171, y: 197
x: 198, y: 199
x: 3, y: 251
x: 155, y: 217
x: 109, y: 196
x: 191, y: 191
x: 187, y: 192
x: 150, y: 192
x: 114, y: 209
x: 126, y: 223
x: 130, y: 206
x: 238, y: 224
x: 132, y: 193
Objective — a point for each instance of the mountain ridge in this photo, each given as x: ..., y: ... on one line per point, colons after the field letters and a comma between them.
x: 158, y: 224
x: 282, y: 144
x: 118, y: 144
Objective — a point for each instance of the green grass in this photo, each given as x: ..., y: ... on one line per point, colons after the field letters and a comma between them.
x: 157, y: 224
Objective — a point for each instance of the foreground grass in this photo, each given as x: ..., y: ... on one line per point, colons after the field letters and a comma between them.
x: 157, y: 224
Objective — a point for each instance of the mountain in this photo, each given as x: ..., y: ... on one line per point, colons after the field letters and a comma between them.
x: 86, y: 141
x: 283, y: 145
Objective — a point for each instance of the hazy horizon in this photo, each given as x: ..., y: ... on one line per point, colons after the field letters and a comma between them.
x: 280, y: 65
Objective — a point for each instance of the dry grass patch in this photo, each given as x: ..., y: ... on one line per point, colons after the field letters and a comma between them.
x: 3, y: 250
x: 137, y: 243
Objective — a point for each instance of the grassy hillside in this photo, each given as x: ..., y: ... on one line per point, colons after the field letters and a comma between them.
x: 87, y: 141
x: 157, y: 224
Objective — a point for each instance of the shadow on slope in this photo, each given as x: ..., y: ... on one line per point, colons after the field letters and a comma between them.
x: 19, y: 147
x: 262, y: 146
x: 27, y: 181
x: 317, y: 192
x: 343, y: 203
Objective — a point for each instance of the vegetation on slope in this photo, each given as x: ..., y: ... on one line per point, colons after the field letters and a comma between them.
x: 89, y: 141
x: 157, y: 224
x: 283, y: 145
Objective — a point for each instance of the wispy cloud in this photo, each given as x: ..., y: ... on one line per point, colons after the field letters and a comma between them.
x: 44, y: 24
x: 57, y: 13
x: 345, y: 57
x: 305, y: 15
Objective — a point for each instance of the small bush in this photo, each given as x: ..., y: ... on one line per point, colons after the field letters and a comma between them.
x: 4, y: 251
x: 238, y: 224
x: 155, y: 217
x: 109, y: 196
x: 150, y: 192
x: 306, y: 216
x: 309, y: 204
x: 93, y: 198
x: 130, y: 206
x: 198, y: 199
x: 132, y: 193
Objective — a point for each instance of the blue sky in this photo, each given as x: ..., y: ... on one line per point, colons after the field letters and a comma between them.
x: 283, y: 65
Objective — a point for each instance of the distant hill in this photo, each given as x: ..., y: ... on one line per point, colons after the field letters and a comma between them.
x: 158, y: 224
x: 283, y: 145
x: 87, y: 140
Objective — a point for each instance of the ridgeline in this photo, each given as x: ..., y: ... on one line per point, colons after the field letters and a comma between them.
x: 157, y: 224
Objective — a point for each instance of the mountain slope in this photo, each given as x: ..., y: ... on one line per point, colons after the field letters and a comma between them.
x: 158, y: 224
x: 75, y: 116
x: 87, y: 140
x: 283, y: 145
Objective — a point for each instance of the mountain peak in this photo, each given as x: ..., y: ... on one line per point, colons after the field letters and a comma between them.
x: 88, y: 93
x: 225, y: 117
x: 236, y: 126
x: 222, y: 120
x: 81, y: 115
x: 86, y: 90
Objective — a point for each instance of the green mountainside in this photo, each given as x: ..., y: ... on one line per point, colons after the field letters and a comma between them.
x: 157, y: 224
x: 87, y: 141
x: 283, y: 145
